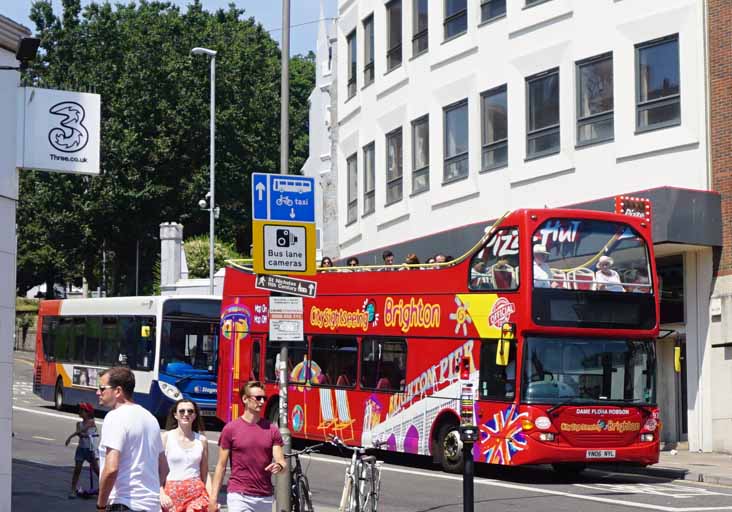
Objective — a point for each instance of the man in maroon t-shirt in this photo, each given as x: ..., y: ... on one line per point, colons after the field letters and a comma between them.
x: 253, y: 443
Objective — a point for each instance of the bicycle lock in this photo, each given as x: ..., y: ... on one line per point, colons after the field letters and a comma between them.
x: 468, y: 433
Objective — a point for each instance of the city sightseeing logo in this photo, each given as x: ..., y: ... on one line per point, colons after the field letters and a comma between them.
x: 70, y: 136
x: 501, y: 312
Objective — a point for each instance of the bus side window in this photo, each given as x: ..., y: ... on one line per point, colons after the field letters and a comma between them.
x: 64, y: 335
x: 337, y: 358
x: 145, y: 344
x: 255, y: 361
x: 93, y: 334
x: 78, y: 344
x: 382, y: 363
x: 296, y: 361
x: 496, y: 382
x: 110, y: 346
x: 48, y: 333
x: 495, y: 266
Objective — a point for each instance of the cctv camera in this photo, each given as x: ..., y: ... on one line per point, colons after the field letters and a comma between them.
x: 202, y: 204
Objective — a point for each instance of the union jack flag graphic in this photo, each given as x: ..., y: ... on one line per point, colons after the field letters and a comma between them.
x: 502, y: 437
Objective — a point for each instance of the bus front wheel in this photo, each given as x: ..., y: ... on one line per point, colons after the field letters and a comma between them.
x: 58, y: 396
x: 451, y: 448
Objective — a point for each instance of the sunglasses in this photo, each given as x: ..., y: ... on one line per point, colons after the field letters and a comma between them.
x: 186, y: 411
x: 261, y: 398
x: 103, y: 387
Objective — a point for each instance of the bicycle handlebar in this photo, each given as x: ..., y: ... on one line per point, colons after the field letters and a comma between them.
x: 309, y: 449
x: 337, y: 441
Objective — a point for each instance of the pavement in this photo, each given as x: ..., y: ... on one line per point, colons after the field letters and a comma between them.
x: 712, y: 468
x: 43, y: 487
x: 39, y: 487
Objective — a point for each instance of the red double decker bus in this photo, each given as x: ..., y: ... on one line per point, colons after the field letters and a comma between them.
x: 557, y: 311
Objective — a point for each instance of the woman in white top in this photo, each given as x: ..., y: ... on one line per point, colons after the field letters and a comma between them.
x: 186, y: 449
x: 605, y: 277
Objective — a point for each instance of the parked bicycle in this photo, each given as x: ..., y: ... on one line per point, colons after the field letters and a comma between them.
x: 363, y: 479
x: 301, y: 498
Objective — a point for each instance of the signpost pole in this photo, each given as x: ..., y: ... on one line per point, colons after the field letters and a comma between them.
x: 283, y: 480
x: 468, y: 433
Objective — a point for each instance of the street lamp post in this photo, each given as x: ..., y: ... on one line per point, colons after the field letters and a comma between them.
x: 212, y: 201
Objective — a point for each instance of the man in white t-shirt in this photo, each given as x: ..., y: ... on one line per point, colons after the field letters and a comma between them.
x: 132, y: 457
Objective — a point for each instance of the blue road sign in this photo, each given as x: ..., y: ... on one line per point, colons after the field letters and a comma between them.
x: 283, y: 197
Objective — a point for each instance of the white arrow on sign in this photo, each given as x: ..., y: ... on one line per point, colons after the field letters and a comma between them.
x: 292, y: 213
x: 260, y: 190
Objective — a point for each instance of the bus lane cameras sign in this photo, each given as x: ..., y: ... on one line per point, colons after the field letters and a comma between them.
x: 283, y: 224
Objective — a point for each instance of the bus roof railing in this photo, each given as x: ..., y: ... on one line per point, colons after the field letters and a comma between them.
x: 246, y: 264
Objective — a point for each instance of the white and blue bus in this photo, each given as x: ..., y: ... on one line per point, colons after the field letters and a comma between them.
x: 169, y: 342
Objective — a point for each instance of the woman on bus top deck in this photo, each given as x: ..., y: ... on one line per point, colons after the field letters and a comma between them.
x: 187, y: 452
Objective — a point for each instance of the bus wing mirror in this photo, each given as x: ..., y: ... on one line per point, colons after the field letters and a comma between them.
x: 508, y: 333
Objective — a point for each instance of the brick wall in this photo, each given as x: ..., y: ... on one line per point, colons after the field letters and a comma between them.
x: 720, y: 71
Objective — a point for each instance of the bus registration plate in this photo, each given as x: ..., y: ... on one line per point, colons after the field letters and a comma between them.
x: 600, y: 454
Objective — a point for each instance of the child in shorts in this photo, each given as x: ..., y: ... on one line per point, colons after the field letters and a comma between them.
x: 86, y: 431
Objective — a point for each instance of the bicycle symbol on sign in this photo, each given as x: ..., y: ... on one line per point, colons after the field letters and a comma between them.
x: 284, y: 200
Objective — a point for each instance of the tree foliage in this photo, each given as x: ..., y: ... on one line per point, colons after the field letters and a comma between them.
x: 198, y: 251
x: 155, y: 134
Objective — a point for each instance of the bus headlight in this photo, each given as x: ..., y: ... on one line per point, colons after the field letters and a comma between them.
x: 170, y: 390
x: 646, y: 438
x: 546, y: 436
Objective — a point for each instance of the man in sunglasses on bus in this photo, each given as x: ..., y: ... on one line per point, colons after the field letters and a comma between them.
x: 255, y: 447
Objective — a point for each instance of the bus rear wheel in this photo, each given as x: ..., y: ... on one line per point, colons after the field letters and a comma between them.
x: 451, y: 448
x: 58, y: 396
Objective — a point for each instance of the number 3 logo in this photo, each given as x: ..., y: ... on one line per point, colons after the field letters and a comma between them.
x: 71, y: 135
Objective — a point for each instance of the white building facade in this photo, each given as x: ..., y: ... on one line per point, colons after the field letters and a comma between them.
x: 451, y: 112
x: 10, y: 35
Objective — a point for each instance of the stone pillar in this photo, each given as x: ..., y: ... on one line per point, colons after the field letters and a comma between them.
x: 171, y: 241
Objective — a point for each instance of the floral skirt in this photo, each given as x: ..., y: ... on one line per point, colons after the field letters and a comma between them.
x: 187, y: 495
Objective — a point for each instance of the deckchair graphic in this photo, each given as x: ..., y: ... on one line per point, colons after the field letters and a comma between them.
x: 344, y: 415
x: 327, y: 416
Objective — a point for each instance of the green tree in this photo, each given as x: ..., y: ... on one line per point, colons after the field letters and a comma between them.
x: 197, y: 255
x: 155, y: 139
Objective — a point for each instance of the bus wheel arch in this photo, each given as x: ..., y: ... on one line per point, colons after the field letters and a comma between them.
x: 446, y: 443
x: 58, y: 395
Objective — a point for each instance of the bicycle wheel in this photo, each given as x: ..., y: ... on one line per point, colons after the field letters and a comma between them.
x: 368, y: 494
x: 346, y: 504
x: 303, y: 501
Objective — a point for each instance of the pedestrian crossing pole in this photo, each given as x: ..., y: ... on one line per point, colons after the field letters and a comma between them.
x: 283, y: 484
x: 468, y: 432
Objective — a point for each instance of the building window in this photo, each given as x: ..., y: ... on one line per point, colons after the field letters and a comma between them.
x: 394, y: 166
x: 543, y: 114
x: 352, y: 168
x: 456, y: 141
x: 595, y: 99
x: 658, y: 84
x: 394, y: 34
x: 530, y: 3
x: 369, y: 179
x: 491, y: 9
x: 494, y: 128
x: 419, y: 40
x: 456, y: 17
x: 352, y: 60
x: 368, y: 50
x: 420, y: 155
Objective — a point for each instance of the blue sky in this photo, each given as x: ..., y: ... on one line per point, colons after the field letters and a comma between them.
x: 267, y: 12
